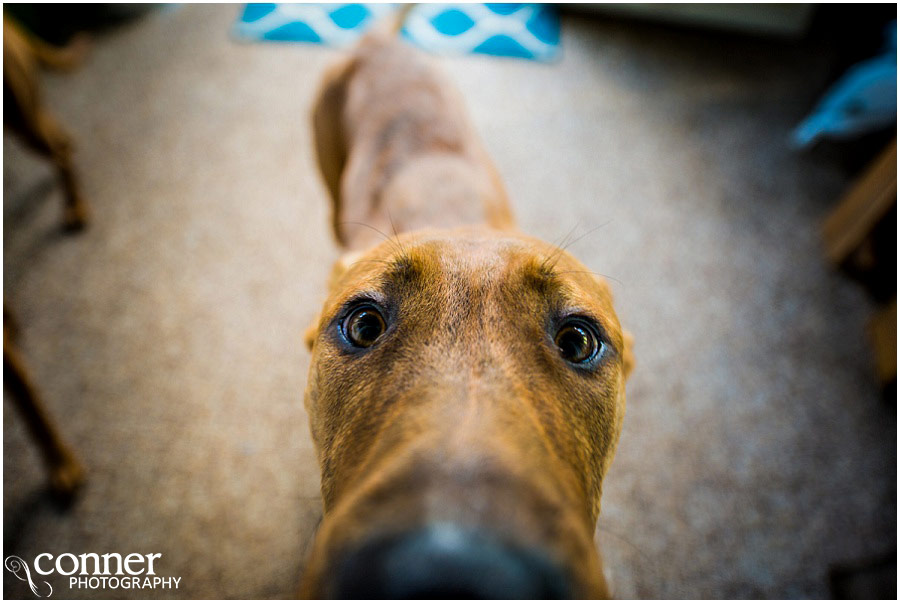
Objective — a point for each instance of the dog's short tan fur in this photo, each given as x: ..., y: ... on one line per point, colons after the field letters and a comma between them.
x: 463, y: 412
x: 398, y: 152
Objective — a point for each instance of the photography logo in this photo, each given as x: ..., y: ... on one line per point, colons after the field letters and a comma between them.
x: 91, y: 571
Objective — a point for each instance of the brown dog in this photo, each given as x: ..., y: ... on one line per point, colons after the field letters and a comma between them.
x: 24, y: 111
x: 467, y: 385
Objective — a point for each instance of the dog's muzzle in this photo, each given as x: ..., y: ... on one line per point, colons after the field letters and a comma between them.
x: 445, y: 562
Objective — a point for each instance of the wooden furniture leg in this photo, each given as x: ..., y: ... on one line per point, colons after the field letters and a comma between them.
x: 66, y: 472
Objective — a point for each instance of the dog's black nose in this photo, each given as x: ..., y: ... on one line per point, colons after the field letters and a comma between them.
x: 445, y: 562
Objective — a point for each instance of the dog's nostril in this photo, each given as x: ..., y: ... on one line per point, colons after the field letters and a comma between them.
x: 445, y: 562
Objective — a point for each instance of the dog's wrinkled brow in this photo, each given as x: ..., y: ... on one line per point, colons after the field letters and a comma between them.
x: 404, y: 269
x: 541, y: 278
x: 410, y: 268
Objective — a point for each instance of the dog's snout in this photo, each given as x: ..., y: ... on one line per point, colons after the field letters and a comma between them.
x: 446, y: 562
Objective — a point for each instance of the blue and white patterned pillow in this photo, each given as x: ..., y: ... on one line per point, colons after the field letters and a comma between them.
x: 331, y: 24
x: 529, y: 31
x: 519, y: 30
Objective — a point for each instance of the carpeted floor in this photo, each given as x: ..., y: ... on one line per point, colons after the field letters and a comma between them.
x: 167, y: 337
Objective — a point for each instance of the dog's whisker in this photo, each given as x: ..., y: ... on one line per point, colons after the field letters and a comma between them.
x: 591, y: 231
x: 387, y: 238
x: 553, y: 257
x: 369, y: 226
x: 566, y: 243
x: 612, y: 278
x: 563, y: 245
x: 565, y: 237
x: 396, y: 235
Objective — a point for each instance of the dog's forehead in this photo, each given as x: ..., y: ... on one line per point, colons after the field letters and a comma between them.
x: 484, y: 258
x: 476, y: 249
x: 501, y: 256
x: 479, y: 256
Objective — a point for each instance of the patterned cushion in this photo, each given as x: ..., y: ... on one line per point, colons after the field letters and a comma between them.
x: 529, y: 31
x: 517, y: 30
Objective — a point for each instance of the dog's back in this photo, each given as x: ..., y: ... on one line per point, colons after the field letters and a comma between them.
x: 397, y: 150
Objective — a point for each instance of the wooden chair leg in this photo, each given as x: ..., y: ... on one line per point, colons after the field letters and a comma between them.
x: 58, y: 144
x: 66, y: 472
x: 75, y: 216
x: 883, y: 333
x: 867, y: 201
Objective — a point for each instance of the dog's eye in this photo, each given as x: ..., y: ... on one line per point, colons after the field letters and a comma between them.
x: 577, y: 342
x: 363, y: 326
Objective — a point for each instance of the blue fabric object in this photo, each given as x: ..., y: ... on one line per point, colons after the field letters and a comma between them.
x: 253, y: 12
x: 351, y: 16
x: 503, y: 46
x: 332, y: 24
x: 296, y: 31
x: 452, y: 22
x: 863, y: 100
x: 528, y: 31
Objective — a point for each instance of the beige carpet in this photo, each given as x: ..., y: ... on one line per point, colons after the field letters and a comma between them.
x: 167, y: 338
